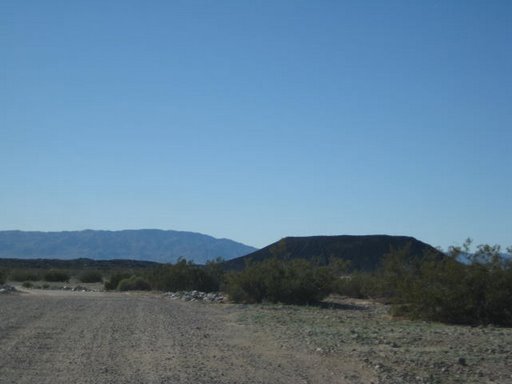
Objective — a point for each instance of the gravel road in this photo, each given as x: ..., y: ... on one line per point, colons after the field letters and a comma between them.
x: 74, y: 337
x: 50, y: 336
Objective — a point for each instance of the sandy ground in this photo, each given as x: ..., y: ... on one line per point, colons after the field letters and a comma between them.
x: 95, y: 337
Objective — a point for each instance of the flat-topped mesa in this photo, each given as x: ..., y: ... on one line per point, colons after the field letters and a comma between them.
x: 364, y: 252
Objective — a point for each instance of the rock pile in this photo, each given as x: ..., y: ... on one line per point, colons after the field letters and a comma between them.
x: 4, y: 288
x: 213, y: 297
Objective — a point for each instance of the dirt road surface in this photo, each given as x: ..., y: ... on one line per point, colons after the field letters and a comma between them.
x: 72, y: 337
x: 51, y: 336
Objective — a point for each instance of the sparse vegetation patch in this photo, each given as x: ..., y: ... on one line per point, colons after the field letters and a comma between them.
x: 277, y: 281
x: 23, y: 275
x: 185, y: 276
x: 450, y: 291
x: 115, y: 278
x: 90, y: 277
x: 426, y: 287
x: 134, y: 283
x: 56, y: 276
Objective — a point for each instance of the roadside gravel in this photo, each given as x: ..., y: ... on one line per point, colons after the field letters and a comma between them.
x: 393, y: 351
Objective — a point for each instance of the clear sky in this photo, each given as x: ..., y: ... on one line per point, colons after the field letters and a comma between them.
x: 255, y: 120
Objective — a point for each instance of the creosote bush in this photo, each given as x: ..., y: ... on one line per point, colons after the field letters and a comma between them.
x: 277, y: 281
x: 360, y: 285
x: 90, y: 277
x: 115, y: 278
x: 23, y: 275
x: 184, y: 276
x: 447, y: 290
x: 56, y: 276
x: 134, y: 283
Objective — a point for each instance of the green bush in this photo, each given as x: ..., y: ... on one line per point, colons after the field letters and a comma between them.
x: 277, y: 281
x: 215, y: 270
x: 2, y: 277
x: 450, y: 291
x: 184, y: 276
x: 115, y: 278
x: 134, y: 283
x: 56, y: 276
x: 21, y: 275
x: 90, y: 277
x: 360, y: 285
x: 27, y: 284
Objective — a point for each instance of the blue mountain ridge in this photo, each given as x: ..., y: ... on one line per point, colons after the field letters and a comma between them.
x: 165, y: 246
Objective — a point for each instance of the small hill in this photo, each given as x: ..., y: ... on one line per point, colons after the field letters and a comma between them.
x: 364, y: 252
x: 144, y: 244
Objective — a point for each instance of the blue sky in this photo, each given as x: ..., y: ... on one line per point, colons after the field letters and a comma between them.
x: 255, y: 120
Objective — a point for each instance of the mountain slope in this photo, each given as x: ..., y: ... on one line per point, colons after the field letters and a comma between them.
x: 364, y: 252
x: 145, y: 244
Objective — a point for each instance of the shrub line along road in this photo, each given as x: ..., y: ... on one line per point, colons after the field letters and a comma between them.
x: 73, y: 337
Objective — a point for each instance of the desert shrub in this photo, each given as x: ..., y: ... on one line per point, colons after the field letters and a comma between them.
x: 134, y: 283
x: 115, y: 278
x: 360, y: 285
x: 450, y: 291
x: 246, y: 287
x: 90, y: 277
x: 27, y: 284
x: 23, y: 275
x: 215, y: 270
x: 45, y: 286
x: 278, y: 281
x: 2, y: 277
x: 56, y: 276
x: 184, y: 276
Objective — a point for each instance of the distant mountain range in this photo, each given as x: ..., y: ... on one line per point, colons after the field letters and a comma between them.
x: 364, y: 252
x: 145, y: 244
